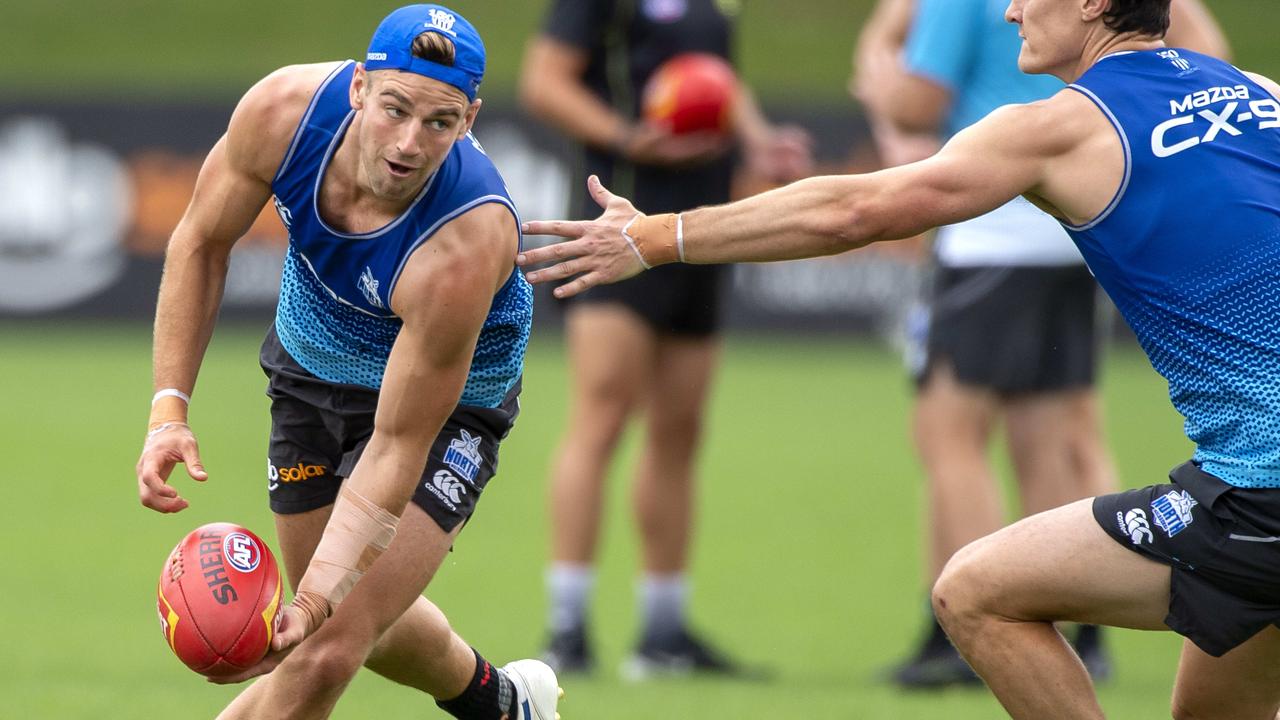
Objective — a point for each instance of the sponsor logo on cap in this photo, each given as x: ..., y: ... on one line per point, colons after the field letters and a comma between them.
x: 376, y: 56
x: 442, y: 21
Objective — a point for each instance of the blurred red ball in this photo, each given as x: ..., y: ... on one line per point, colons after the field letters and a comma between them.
x: 691, y: 92
x: 219, y: 598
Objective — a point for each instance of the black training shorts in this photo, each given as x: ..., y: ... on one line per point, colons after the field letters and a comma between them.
x: 674, y: 299
x: 1222, y: 544
x: 1013, y: 330
x: 320, y: 429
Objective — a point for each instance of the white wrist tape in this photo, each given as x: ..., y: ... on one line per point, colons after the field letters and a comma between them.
x: 162, y: 427
x: 170, y: 392
x: 680, y: 236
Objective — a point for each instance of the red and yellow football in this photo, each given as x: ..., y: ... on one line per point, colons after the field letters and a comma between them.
x: 219, y: 598
x: 691, y: 92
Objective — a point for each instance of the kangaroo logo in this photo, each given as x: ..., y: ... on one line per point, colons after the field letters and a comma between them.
x: 463, y: 455
x: 369, y: 286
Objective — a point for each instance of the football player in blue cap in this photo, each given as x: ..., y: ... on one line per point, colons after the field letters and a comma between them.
x: 393, y: 365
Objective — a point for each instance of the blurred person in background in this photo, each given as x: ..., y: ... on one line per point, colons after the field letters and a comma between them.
x: 1010, y: 333
x: 394, y: 363
x: 647, y: 347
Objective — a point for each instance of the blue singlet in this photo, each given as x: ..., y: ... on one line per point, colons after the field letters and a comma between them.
x: 334, y: 314
x: 1189, y: 248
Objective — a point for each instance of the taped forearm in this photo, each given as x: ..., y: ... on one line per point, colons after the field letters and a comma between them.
x: 359, y: 531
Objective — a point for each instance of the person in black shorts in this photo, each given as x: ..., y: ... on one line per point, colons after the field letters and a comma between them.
x: 647, y: 346
x: 320, y: 429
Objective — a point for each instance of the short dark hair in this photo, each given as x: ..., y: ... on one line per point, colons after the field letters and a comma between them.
x: 1145, y: 17
x: 434, y: 47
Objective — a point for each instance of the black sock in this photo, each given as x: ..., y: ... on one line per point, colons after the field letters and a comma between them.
x: 490, y: 695
x: 937, y: 640
x: 1089, y: 637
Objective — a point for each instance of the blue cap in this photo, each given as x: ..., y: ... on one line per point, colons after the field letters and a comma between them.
x: 392, y: 46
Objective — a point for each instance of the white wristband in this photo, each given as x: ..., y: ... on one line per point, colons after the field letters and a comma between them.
x: 680, y: 236
x: 170, y: 392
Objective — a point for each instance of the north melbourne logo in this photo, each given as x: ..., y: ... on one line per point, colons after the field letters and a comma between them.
x: 442, y: 21
x: 1172, y: 511
x: 369, y: 286
x: 463, y: 455
x: 1134, y: 524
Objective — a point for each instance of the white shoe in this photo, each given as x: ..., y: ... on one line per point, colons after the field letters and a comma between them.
x: 537, y: 690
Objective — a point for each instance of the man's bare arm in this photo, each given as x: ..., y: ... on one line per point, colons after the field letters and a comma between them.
x: 231, y: 190
x: 983, y: 167
x: 443, y: 297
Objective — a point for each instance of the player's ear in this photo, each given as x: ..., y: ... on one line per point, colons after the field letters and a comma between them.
x: 1091, y: 10
x: 359, y: 87
x: 469, y: 118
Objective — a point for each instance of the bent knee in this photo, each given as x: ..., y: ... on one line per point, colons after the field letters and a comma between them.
x: 330, y: 660
x: 960, y: 596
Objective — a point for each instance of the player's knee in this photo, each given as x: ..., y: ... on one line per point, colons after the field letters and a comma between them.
x: 676, y: 428
x: 330, y: 661
x: 958, y: 595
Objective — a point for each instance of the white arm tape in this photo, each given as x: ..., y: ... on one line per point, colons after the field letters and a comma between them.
x: 170, y: 392
x: 680, y: 236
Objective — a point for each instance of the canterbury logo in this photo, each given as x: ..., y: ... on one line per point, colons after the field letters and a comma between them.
x: 450, y: 486
x: 1136, y: 525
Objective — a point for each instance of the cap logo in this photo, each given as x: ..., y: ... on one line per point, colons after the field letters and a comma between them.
x: 442, y: 21
x: 376, y: 56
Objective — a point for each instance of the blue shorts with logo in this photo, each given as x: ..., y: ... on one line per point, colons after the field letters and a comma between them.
x: 1222, y: 544
x: 319, y: 430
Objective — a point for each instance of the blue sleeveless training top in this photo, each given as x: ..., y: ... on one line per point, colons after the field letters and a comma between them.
x: 334, y: 314
x: 1189, y: 248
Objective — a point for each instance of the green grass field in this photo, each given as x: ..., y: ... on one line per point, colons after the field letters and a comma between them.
x: 806, y: 555
x: 790, y: 51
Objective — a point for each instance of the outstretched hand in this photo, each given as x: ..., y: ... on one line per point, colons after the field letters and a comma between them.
x: 290, y: 630
x: 596, y: 252
x: 165, y: 447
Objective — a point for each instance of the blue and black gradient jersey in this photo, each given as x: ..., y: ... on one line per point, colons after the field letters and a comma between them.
x: 334, y: 314
x: 1189, y: 248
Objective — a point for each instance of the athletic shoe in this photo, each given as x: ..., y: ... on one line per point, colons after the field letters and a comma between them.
x: 569, y: 653
x: 537, y: 691
x: 683, y: 653
x: 934, y: 668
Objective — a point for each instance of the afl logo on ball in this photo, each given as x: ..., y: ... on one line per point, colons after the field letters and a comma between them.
x: 242, y: 552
